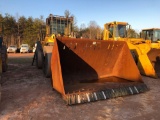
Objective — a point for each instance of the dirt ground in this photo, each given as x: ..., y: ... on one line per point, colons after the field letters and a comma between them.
x: 28, y: 95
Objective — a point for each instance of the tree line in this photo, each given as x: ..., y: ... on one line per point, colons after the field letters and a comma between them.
x: 21, y: 30
x: 18, y: 30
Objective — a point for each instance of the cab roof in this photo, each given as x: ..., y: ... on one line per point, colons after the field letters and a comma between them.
x: 150, y: 29
x: 117, y: 22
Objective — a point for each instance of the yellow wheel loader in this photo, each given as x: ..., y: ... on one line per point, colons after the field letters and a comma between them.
x: 119, y: 31
x: 43, y: 54
x: 85, y: 70
x: 55, y: 26
x: 152, y: 37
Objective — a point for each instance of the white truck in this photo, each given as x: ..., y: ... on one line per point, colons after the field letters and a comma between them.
x: 12, y: 48
x: 24, y: 48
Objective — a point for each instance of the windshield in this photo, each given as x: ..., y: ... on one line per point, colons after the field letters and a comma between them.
x: 117, y: 31
x: 156, y: 35
x: 122, y: 30
x: 147, y: 34
x: 153, y: 35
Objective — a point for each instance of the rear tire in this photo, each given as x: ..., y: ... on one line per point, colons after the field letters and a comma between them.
x: 47, y: 65
x: 4, y: 58
x: 39, y: 58
x: 39, y: 55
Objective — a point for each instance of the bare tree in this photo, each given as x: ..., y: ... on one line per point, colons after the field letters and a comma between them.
x: 74, y: 26
x: 67, y: 15
x: 92, y: 29
x: 99, y: 33
x: 18, y: 34
x: 82, y: 26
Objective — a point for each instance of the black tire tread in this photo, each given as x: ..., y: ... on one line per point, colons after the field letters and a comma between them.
x: 4, y: 58
x: 47, y: 65
x: 39, y: 58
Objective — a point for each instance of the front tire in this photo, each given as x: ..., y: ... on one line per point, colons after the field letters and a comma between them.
x: 4, y: 59
x: 47, y: 65
x: 39, y: 58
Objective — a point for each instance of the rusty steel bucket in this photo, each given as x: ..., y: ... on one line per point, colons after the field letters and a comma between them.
x: 89, y: 70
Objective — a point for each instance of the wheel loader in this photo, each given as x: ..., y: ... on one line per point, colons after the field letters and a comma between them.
x: 152, y: 37
x: 139, y: 47
x: 55, y: 26
x: 85, y: 70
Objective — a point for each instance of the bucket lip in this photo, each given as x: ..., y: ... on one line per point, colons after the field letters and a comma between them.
x: 86, y: 97
x: 96, y: 87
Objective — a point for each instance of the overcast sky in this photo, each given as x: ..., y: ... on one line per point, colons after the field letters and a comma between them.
x: 139, y: 13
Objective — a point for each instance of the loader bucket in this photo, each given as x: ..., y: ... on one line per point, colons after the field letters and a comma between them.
x: 154, y: 57
x: 89, y: 70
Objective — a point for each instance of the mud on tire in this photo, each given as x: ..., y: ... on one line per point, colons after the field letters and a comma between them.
x: 4, y: 58
x: 39, y: 58
x: 47, y: 65
x: 39, y: 55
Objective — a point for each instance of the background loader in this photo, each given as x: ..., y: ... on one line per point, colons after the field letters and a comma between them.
x: 152, y: 37
x: 55, y: 26
x: 139, y: 47
x: 85, y: 70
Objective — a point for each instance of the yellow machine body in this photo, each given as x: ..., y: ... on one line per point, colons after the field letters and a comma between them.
x: 50, y: 39
x: 152, y: 37
x: 117, y: 31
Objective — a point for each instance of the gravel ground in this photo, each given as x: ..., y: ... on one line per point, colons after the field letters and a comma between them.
x: 28, y: 95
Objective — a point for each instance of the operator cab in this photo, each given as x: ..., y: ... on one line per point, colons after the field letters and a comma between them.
x: 152, y: 34
x: 117, y: 30
x: 120, y: 30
